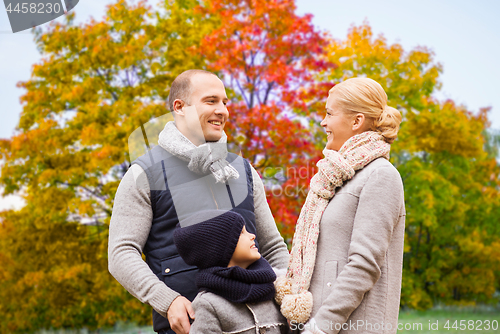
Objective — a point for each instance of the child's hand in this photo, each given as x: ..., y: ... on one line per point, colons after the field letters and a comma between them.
x: 178, y: 315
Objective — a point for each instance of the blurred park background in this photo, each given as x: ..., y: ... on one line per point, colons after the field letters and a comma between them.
x: 100, y: 80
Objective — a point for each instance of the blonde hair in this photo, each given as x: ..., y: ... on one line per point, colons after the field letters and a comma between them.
x: 366, y: 96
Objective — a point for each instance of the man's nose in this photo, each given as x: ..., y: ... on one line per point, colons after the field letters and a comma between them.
x: 222, y: 110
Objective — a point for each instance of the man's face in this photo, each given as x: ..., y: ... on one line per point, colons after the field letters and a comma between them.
x: 207, y: 113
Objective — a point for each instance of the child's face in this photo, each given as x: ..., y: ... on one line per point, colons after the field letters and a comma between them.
x: 246, y: 252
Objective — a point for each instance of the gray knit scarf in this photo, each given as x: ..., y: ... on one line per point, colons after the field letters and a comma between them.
x: 206, y: 158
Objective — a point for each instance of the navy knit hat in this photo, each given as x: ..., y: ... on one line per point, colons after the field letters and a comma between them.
x: 211, y: 240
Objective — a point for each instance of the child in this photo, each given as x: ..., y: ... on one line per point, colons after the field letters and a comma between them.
x: 236, y: 290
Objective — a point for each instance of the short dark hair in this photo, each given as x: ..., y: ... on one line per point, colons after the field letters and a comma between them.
x: 181, y: 87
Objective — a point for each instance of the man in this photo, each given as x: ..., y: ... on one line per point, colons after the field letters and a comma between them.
x: 189, y: 171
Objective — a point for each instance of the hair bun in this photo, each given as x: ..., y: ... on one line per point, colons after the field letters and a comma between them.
x: 388, y: 123
x: 366, y: 96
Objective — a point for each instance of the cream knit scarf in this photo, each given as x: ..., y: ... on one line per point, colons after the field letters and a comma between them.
x: 334, y: 169
x: 206, y: 158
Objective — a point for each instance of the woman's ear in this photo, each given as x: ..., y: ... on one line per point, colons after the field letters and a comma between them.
x: 358, y: 122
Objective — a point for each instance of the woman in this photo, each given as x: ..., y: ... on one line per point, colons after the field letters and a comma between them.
x: 345, y: 269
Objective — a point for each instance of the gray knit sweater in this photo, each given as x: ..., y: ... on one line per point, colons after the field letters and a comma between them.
x: 129, y: 229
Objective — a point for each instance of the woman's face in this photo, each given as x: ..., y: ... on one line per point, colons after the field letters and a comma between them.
x: 338, y: 126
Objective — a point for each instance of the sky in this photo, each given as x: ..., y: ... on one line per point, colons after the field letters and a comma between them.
x: 464, y: 35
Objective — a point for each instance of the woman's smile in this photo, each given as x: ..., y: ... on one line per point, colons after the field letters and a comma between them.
x: 336, y: 120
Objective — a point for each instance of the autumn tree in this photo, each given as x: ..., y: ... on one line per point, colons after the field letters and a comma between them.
x: 452, y: 187
x: 268, y: 56
x: 96, y: 83
x: 101, y: 82
x: 447, y: 158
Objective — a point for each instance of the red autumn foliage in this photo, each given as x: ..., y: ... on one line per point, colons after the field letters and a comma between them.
x: 268, y: 56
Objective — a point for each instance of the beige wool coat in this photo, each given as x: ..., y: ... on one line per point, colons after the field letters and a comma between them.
x: 356, y: 283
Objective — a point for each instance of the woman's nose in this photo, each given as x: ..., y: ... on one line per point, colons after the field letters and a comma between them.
x: 323, y: 122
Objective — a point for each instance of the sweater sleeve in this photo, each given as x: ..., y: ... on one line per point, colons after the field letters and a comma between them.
x: 206, y: 320
x: 376, y: 216
x: 271, y: 243
x: 128, y: 232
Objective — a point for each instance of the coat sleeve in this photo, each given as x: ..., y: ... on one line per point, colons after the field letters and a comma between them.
x: 206, y: 320
x: 128, y: 232
x: 271, y: 243
x: 377, y: 214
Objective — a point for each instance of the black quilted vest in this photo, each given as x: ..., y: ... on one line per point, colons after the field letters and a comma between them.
x: 177, y: 192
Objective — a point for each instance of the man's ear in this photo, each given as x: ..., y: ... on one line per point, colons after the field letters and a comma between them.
x: 358, y: 122
x: 178, y: 105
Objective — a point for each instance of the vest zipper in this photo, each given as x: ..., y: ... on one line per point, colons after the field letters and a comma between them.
x: 228, y: 191
x: 213, y: 196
